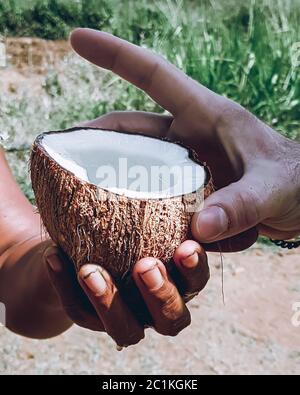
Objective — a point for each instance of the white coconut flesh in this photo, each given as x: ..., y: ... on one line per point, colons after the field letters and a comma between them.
x: 136, y: 166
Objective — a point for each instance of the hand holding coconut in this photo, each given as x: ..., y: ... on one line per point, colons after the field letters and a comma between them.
x: 107, y: 311
x: 255, y: 170
x: 42, y: 294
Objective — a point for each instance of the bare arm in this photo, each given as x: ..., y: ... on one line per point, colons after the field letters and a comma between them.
x: 32, y: 305
x: 17, y: 218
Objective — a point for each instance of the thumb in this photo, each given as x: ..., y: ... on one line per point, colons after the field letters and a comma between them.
x: 232, y: 210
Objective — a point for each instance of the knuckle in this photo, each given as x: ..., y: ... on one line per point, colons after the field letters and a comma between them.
x: 243, y: 208
x: 231, y: 111
x: 175, y: 316
x: 247, y: 200
x: 113, y: 114
x: 113, y: 118
x: 170, y: 307
x: 145, y: 82
x: 165, y: 295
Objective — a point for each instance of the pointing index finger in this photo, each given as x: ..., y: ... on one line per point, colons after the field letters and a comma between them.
x: 163, y: 82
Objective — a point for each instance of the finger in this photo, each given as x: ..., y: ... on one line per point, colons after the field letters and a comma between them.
x: 117, y: 319
x: 74, y: 301
x: 235, y: 208
x: 191, y: 261
x: 236, y: 243
x: 163, y: 82
x: 133, y: 121
x: 167, y: 308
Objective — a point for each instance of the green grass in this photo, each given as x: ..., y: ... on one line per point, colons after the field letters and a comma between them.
x: 243, y: 50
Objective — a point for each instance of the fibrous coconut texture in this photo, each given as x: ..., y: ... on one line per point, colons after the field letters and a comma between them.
x: 95, y: 225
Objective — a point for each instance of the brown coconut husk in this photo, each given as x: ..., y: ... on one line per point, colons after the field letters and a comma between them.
x: 114, y: 231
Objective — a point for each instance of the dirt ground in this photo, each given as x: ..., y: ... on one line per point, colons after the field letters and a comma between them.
x: 28, y: 60
x: 255, y: 332
x: 252, y: 334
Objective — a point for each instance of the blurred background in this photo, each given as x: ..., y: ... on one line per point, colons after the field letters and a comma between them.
x: 247, y: 51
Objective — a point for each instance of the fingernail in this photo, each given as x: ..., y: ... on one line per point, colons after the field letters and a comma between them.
x: 94, y: 281
x: 54, y: 262
x: 211, y: 223
x: 191, y: 261
x: 153, y: 278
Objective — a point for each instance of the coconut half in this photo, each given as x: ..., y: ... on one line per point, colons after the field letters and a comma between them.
x: 111, y: 198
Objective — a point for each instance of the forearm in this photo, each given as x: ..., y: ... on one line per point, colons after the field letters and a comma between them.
x: 17, y: 216
x: 32, y: 306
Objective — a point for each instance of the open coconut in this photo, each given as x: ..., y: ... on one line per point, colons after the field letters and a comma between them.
x: 112, y: 198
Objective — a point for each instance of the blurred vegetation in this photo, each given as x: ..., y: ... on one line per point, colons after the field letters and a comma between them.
x: 246, y: 51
